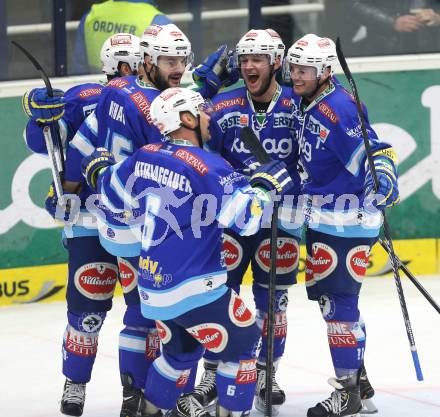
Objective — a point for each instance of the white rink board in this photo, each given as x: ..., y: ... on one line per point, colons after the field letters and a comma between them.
x: 30, y: 364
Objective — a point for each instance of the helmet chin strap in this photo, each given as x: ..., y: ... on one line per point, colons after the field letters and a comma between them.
x: 318, y: 86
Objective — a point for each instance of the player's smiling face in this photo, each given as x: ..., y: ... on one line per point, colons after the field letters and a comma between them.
x: 303, y: 79
x: 257, y: 73
x: 171, y: 69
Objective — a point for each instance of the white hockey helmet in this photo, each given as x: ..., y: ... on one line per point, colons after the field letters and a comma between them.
x: 121, y: 47
x: 165, y: 40
x: 313, y: 51
x: 261, y: 42
x: 166, y: 108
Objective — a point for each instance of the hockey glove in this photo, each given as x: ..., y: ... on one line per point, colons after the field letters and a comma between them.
x: 387, y: 194
x: 41, y: 108
x: 59, y: 210
x: 272, y: 176
x: 93, y: 164
x: 214, y: 73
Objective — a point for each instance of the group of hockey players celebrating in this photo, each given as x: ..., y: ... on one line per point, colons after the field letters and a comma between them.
x: 175, y: 207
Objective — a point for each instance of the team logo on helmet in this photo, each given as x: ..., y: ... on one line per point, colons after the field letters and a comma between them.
x: 232, y: 252
x: 287, y: 255
x: 164, y: 332
x: 127, y: 275
x: 96, y: 281
x: 212, y: 336
x: 239, y: 314
x: 357, y: 262
x: 324, y: 260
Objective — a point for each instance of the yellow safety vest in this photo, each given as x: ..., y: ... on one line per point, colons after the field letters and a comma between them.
x: 112, y: 17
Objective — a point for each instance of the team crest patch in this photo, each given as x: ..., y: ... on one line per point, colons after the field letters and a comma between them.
x: 164, y: 332
x: 357, y: 262
x: 128, y: 275
x: 212, y: 336
x: 91, y: 322
x: 232, y: 252
x: 239, y: 314
x: 324, y: 260
x: 96, y: 281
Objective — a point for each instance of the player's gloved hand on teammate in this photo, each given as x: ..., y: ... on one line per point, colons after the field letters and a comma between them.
x: 272, y: 176
x: 387, y: 194
x: 93, y: 164
x: 41, y: 108
x: 214, y: 73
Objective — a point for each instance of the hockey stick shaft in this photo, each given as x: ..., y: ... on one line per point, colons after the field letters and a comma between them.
x: 387, y: 234
x: 412, y: 278
x: 55, y: 148
x: 253, y: 144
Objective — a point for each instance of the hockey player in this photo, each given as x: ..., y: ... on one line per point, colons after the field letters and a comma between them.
x: 93, y: 272
x: 343, y: 216
x: 265, y: 106
x: 182, y: 273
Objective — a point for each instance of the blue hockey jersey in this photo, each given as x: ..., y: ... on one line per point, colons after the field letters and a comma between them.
x: 177, y: 194
x: 332, y: 159
x: 121, y: 123
x: 234, y: 110
x: 80, y: 101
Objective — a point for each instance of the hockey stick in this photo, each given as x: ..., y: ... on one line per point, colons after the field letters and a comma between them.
x: 253, y: 144
x: 387, y: 233
x: 412, y: 278
x: 54, y: 148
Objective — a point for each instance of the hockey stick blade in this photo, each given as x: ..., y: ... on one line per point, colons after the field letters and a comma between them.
x: 387, y: 233
x: 37, y: 66
x: 254, y: 146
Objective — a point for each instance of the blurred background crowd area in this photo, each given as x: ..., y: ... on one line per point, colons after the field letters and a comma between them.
x: 53, y: 31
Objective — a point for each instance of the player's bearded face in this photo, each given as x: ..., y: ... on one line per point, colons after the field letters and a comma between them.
x: 169, y: 71
x: 303, y: 79
x: 257, y: 73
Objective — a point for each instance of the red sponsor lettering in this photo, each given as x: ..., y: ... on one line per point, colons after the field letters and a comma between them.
x: 152, y: 147
x: 143, y: 105
x: 238, y: 312
x: 170, y: 92
x: 176, y: 33
x: 127, y: 275
x: 152, y: 345
x: 212, y: 336
x: 183, y: 378
x: 324, y: 260
x: 120, y: 40
x: 237, y: 101
x: 286, y: 102
x: 273, y: 33
x: 339, y: 335
x: 153, y: 30
x: 280, y: 325
x: 324, y: 43
x: 232, y: 252
x: 80, y: 343
x: 192, y: 160
x: 325, y: 109
x: 96, y: 280
x: 357, y: 261
x: 247, y: 372
x: 89, y: 92
x: 302, y: 42
x: 118, y: 83
x: 163, y: 331
x: 287, y: 255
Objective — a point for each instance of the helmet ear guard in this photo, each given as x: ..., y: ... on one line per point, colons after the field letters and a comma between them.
x: 117, y: 49
x: 312, y: 51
